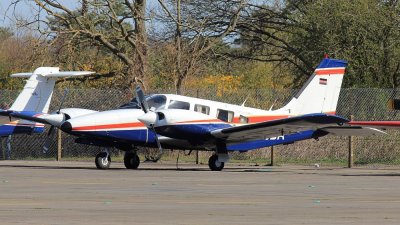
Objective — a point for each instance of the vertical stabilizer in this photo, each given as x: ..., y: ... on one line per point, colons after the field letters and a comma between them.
x: 320, y: 93
x: 37, y: 92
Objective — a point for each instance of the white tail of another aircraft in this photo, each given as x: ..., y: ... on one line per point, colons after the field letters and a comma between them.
x: 320, y: 94
x: 38, y: 90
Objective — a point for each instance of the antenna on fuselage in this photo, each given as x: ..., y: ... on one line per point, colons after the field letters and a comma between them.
x: 270, y: 109
x: 245, y: 100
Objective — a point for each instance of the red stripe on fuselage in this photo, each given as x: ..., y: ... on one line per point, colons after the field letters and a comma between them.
x: 109, y: 126
x: 330, y: 71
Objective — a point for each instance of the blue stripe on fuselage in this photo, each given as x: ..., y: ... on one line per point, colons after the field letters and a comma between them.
x: 6, y: 130
x: 135, y: 136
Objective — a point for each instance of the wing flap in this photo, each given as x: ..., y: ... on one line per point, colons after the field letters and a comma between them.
x: 378, y: 124
x: 352, y: 131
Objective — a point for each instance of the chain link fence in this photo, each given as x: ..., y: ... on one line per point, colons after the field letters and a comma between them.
x: 363, y: 104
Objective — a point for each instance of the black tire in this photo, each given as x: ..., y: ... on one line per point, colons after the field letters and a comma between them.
x: 214, y: 164
x: 102, y: 161
x: 131, y: 160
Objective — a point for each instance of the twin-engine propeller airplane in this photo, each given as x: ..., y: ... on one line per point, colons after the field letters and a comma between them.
x: 35, y: 98
x: 186, y: 123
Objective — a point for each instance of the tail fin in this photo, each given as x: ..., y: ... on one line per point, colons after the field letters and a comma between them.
x: 38, y: 90
x: 320, y: 93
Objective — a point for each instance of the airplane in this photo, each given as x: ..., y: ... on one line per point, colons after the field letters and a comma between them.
x: 168, y: 121
x: 34, y: 98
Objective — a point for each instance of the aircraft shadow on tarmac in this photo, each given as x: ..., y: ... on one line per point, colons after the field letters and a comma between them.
x: 228, y: 170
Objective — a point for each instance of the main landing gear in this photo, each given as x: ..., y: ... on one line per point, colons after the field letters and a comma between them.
x: 103, y: 160
x: 131, y: 160
x: 218, y: 160
x: 215, y: 164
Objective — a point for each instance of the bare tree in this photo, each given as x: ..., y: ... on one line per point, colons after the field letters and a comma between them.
x: 116, y: 26
x: 205, y: 25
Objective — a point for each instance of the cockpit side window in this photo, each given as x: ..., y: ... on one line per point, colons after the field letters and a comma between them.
x: 225, y: 115
x: 173, y: 104
x: 157, y: 101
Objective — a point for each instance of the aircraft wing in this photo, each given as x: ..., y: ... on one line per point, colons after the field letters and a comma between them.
x: 26, y: 115
x: 5, y: 112
x: 328, y: 124
x: 32, y: 116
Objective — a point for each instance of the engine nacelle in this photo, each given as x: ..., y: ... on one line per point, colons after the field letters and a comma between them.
x: 56, y: 119
x: 185, y: 124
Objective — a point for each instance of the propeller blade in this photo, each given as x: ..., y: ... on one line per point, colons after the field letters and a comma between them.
x: 158, y: 144
x: 49, y: 140
x: 142, y: 99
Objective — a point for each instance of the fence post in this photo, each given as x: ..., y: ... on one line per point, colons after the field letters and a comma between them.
x: 197, y: 151
x: 59, y: 144
x: 351, y: 148
x: 272, y: 156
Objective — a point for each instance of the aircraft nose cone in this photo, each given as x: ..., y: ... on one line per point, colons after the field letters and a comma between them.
x: 148, y: 119
x: 66, y: 127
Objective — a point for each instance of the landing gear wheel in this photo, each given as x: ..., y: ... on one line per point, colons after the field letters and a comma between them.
x: 103, y: 160
x: 131, y: 160
x: 215, y: 164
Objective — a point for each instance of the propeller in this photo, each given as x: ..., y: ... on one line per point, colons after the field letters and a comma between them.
x: 58, y: 116
x: 149, y: 118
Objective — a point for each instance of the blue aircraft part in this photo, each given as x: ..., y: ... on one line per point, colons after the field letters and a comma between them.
x: 6, y: 130
x: 285, y: 139
x: 193, y: 132
x: 134, y: 136
x: 332, y: 63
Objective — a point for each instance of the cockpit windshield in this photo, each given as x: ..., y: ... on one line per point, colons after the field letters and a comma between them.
x: 153, y: 101
x: 157, y: 101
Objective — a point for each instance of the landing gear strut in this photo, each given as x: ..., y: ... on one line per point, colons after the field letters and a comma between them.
x: 131, y: 160
x: 103, y: 160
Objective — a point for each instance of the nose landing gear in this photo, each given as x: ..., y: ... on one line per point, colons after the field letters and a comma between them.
x: 103, y: 160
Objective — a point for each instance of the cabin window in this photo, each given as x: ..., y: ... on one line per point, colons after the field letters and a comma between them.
x: 243, y: 119
x: 202, y: 109
x: 156, y: 101
x: 173, y: 104
x: 225, y: 115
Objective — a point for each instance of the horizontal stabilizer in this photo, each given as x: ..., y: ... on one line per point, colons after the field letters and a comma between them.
x: 352, y: 131
x: 55, y: 75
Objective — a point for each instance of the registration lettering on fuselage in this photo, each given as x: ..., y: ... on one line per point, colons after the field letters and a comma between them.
x: 282, y: 137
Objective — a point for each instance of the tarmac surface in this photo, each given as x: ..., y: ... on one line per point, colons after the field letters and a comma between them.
x: 48, y: 192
